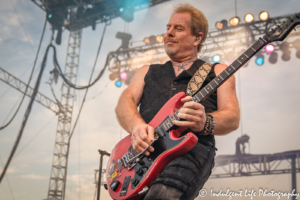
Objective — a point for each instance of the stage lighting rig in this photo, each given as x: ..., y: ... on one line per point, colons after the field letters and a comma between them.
x: 125, y: 37
x: 84, y: 13
x: 222, y: 24
x: 56, y: 18
x: 286, y: 52
x: 151, y: 40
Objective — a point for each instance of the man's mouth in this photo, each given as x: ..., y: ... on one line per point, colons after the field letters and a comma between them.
x: 170, y: 42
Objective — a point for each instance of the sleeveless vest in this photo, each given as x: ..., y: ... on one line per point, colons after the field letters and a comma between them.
x: 161, y: 84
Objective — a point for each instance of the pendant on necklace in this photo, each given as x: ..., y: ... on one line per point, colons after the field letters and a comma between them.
x: 181, y: 67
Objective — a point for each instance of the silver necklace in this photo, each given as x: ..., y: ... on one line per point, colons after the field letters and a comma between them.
x: 181, y: 66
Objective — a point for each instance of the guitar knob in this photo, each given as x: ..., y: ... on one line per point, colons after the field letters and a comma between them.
x: 138, y: 170
x: 114, y: 185
x: 134, y: 181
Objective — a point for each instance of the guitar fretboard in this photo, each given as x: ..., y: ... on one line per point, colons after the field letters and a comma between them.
x: 200, y: 96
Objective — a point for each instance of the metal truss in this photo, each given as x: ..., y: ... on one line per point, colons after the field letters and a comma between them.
x: 234, y: 40
x: 229, y: 166
x: 228, y: 43
x: 57, y: 184
x: 250, y: 165
x: 103, y: 10
x: 21, y: 86
x: 128, y: 59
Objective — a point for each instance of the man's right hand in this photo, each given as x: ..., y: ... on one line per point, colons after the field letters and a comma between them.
x: 142, y: 135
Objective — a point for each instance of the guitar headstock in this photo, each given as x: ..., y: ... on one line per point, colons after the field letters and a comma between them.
x: 281, y: 31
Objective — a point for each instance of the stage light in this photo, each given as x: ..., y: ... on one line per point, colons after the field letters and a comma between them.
x: 273, y: 58
x: 125, y: 37
x: 216, y: 58
x: 263, y: 16
x: 296, y: 45
x: 286, y: 53
x: 259, y: 61
x: 146, y: 40
x: 123, y: 75
x: 159, y: 38
x: 126, y: 13
x: 151, y: 40
x: 269, y: 48
x: 113, y: 76
x: 118, y: 83
x: 219, y: 25
x: 222, y: 24
x: 57, y: 21
x: 234, y: 21
x: 248, y: 18
x: 259, y: 58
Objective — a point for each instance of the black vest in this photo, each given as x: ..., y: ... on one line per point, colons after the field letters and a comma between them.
x: 161, y: 84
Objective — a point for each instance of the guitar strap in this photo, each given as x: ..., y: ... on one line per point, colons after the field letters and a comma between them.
x: 197, y: 80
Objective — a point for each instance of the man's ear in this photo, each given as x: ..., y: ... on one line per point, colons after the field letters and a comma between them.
x: 198, y: 38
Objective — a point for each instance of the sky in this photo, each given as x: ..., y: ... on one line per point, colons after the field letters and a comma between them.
x: 269, y: 97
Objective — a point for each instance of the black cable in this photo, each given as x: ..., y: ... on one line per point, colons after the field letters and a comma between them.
x: 58, y: 68
x: 32, y: 99
x: 36, y: 57
x: 12, y: 109
x: 12, y: 194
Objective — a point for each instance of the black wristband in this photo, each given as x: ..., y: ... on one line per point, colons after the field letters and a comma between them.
x: 209, y: 125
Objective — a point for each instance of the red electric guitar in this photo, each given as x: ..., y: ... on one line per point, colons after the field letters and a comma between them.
x: 129, y: 174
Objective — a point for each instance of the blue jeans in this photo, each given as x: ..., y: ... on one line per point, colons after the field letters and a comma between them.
x: 184, y: 176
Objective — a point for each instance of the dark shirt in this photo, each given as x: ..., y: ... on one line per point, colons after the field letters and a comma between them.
x: 161, y: 84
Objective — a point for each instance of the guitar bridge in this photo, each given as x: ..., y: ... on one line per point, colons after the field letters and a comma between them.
x: 128, y: 160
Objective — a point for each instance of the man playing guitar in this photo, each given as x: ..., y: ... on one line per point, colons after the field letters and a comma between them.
x: 153, y: 85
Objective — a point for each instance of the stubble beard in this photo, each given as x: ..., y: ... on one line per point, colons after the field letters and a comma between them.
x: 170, y: 51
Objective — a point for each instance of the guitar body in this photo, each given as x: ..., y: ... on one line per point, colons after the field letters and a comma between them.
x: 128, y: 182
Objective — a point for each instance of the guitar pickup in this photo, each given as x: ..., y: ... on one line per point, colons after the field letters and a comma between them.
x: 126, y: 158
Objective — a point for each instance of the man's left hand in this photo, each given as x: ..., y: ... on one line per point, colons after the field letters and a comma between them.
x: 193, y: 113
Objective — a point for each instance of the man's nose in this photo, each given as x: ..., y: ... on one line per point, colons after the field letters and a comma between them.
x: 170, y: 32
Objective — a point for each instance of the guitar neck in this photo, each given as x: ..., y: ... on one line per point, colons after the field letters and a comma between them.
x: 228, y: 72
x: 204, y: 93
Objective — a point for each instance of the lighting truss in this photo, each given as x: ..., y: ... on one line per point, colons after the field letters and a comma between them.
x: 228, y: 43
x: 104, y: 10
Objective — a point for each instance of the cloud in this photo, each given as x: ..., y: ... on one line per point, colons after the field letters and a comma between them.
x: 33, y: 177
x: 10, y: 170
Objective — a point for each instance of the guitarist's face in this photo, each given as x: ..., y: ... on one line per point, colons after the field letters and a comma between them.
x: 178, y: 41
